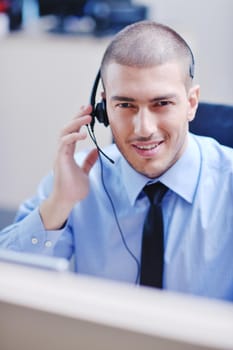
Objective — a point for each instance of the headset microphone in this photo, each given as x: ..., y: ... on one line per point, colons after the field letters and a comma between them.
x: 98, y: 112
x: 92, y: 136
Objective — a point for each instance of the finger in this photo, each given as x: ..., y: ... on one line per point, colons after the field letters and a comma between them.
x: 90, y: 161
x: 83, y: 117
x: 73, y: 137
x: 85, y: 110
x: 75, y: 125
x: 70, y: 140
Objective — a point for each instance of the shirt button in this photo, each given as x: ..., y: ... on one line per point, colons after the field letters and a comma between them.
x: 48, y: 244
x: 34, y: 240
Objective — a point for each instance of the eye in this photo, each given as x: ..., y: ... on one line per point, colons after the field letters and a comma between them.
x: 163, y: 103
x: 125, y: 105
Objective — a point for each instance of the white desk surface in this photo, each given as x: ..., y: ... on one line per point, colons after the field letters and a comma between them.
x: 119, y: 316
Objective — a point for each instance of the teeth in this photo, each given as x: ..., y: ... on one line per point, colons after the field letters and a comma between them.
x: 147, y: 147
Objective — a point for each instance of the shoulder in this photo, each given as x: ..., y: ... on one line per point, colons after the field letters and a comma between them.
x: 214, y: 154
x: 216, y: 171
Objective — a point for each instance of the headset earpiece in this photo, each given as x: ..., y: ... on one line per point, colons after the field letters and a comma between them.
x: 101, y: 113
x: 99, y: 110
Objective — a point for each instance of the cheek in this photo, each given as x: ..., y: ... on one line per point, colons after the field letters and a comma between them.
x: 178, y: 137
x: 119, y: 136
x: 119, y: 125
x: 176, y: 123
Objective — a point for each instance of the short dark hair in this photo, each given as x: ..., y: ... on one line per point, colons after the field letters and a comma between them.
x: 146, y: 44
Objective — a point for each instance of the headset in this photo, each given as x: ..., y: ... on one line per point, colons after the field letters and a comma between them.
x: 99, y: 110
x: 192, y: 65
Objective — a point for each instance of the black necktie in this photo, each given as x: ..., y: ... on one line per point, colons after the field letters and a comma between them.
x: 152, y: 240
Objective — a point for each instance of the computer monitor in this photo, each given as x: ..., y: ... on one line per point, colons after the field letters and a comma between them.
x: 34, y: 260
x: 64, y: 311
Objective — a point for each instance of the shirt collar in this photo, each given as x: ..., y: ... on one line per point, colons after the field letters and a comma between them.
x: 181, y: 178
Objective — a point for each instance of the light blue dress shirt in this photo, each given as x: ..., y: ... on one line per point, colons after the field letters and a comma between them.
x: 198, y: 215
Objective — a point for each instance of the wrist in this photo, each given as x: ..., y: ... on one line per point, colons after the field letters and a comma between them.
x: 54, y: 213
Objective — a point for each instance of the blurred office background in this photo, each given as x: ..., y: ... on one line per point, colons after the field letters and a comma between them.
x: 49, y: 59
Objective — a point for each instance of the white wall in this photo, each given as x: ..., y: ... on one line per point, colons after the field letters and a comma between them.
x: 208, y: 28
x: 44, y: 79
x: 43, y: 83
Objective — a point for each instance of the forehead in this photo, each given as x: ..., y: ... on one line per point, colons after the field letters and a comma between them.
x: 122, y: 79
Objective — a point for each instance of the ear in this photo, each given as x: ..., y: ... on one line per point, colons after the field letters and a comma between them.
x: 193, y: 99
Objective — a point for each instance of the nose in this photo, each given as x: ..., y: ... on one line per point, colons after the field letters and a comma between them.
x: 144, y: 123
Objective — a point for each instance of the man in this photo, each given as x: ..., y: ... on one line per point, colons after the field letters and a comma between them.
x: 96, y: 210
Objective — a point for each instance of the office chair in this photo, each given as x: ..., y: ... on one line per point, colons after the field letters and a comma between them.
x: 214, y: 120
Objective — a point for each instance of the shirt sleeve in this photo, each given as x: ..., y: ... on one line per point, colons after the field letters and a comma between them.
x: 27, y: 233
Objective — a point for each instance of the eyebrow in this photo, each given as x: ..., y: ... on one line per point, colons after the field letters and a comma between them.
x: 164, y: 97
x: 122, y: 98
x: 130, y: 99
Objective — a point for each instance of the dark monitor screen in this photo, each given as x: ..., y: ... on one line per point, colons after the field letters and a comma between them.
x: 64, y: 8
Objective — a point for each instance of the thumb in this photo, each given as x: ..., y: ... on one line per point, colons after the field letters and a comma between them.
x: 90, y: 161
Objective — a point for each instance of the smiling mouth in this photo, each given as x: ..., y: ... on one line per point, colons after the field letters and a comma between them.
x: 148, y: 147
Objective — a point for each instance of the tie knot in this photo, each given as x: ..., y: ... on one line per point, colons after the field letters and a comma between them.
x: 155, y: 192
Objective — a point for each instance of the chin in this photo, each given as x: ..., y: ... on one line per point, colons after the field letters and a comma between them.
x: 152, y: 175
x: 149, y: 171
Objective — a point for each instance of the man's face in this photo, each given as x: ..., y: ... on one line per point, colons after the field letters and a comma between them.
x: 149, y: 110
